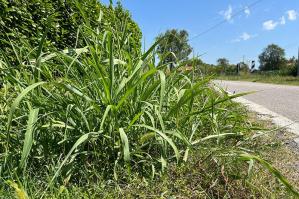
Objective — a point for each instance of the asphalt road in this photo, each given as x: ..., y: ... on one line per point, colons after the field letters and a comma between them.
x: 281, y: 99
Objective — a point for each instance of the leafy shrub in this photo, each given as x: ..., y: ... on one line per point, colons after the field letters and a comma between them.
x: 28, y: 20
x: 289, y: 70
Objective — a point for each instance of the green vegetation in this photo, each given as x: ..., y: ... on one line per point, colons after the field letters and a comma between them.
x: 173, y: 46
x: 272, y: 58
x: 27, y: 21
x: 272, y: 62
x: 273, y: 79
x: 98, y: 121
x: 225, y: 68
x: 274, y: 68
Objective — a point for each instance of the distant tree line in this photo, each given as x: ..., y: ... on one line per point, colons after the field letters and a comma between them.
x: 174, y: 48
x: 272, y: 59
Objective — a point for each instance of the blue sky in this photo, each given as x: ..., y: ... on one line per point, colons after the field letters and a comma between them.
x: 246, y: 34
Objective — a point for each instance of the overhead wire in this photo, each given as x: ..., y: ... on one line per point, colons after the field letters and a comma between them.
x: 225, y: 20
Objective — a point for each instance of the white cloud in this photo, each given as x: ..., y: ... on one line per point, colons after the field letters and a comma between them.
x: 270, y: 25
x: 228, y: 14
x: 282, y: 20
x: 247, y: 11
x: 244, y: 37
x: 292, y: 15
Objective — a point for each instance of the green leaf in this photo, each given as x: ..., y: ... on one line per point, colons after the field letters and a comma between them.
x: 130, y: 91
x: 214, y: 137
x: 162, y: 92
x: 108, y: 108
x: 147, y: 137
x: 76, y: 91
x: 80, y: 141
x: 125, y: 143
x: 151, y: 49
x: 226, y: 98
x: 189, y: 94
x: 272, y: 170
x: 32, y: 119
x: 165, y: 137
x: 17, y: 101
x: 111, y: 63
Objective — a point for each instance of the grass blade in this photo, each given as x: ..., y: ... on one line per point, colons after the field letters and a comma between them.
x: 33, y: 115
x: 273, y: 171
x: 165, y: 137
x: 125, y: 143
x: 80, y: 141
x: 214, y: 137
x: 17, y: 101
x: 162, y: 92
x: 226, y: 98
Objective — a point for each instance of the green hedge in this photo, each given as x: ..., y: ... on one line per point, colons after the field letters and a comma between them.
x: 27, y: 20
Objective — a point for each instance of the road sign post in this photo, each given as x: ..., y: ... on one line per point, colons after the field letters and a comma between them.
x: 252, y: 66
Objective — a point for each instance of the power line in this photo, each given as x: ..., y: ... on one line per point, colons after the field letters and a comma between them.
x: 224, y: 21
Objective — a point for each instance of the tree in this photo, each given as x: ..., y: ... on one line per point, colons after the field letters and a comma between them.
x: 175, y: 41
x: 272, y: 58
x: 222, y: 62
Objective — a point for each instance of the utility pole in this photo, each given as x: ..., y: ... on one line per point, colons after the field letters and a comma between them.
x: 298, y: 64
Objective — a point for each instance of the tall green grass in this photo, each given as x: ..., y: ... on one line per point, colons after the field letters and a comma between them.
x: 84, y: 115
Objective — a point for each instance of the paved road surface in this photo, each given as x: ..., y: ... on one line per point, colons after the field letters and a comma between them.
x: 281, y: 99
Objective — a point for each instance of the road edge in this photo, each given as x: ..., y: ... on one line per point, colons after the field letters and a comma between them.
x: 266, y: 114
